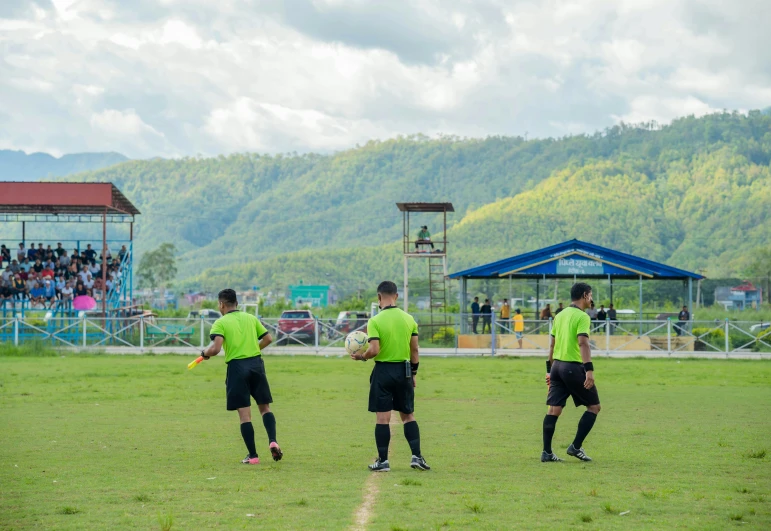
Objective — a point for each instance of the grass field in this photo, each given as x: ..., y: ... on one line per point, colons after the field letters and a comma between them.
x: 111, y: 442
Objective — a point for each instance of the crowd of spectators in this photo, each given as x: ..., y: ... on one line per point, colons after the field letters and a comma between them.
x: 45, y: 276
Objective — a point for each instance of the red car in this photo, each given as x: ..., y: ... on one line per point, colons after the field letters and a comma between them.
x: 299, y: 324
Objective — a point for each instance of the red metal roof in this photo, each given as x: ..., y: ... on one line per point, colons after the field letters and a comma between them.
x: 746, y: 286
x: 63, y: 198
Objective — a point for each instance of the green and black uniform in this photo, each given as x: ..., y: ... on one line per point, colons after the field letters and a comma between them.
x: 391, y: 378
x: 246, y: 377
x: 567, y: 372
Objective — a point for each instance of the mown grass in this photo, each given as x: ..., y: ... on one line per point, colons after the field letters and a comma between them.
x: 111, y: 442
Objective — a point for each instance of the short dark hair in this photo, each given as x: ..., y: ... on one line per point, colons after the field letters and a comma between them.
x: 476, y: 298
x: 387, y: 288
x: 228, y: 296
x: 578, y: 291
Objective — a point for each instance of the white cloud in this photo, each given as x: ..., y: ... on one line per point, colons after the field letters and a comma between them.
x: 183, y: 77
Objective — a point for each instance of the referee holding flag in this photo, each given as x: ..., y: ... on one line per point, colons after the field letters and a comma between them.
x: 393, y: 343
x: 570, y: 373
x: 243, y: 337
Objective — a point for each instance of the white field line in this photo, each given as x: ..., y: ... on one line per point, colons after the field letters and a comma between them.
x: 364, y: 511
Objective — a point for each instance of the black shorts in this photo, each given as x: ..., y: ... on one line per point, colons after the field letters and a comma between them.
x: 246, y: 377
x: 567, y: 379
x: 390, y: 389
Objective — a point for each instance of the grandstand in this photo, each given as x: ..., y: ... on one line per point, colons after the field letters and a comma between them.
x: 64, y: 277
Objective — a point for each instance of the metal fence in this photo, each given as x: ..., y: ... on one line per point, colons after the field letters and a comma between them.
x: 459, y: 334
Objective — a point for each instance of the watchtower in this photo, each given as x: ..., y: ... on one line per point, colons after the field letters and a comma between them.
x: 434, y: 251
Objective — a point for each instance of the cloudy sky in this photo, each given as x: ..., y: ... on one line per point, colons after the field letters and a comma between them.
x: 182, y: 77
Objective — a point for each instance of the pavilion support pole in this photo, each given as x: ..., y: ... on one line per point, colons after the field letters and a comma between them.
x: 463, y: 302
x: 104, y: 265
x: 24, y: 233
x: 406, y: 287
x: 537, y: 297
x: 690, y: 297
x: 610, y: 287
x: 641, y: 306
x: 131, y: 258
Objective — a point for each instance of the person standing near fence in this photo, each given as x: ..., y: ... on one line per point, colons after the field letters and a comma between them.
x: 519, y: 326
x: 505, y: 316
x: 487, y: 316
x: 682, y: 319
x: 570, y: 373
x: 475, y: 314
x: 244, y: 337
x: 612, y: 319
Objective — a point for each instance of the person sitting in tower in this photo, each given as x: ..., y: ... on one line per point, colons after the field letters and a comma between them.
x: 424, y: 238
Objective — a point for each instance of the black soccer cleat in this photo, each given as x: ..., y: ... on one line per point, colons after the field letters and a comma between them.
x: 275, y: 451
x: 418, y: 463
x: 380, y: 466
x: 550, y: 458
x: 578, y: 453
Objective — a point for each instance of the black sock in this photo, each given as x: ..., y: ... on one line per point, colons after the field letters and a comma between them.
x: 549, y: 425
x: 584, y: 427
x: 412, y: 434
x: 270, y: 425
x: 247, y: 432
x: 382, y: 440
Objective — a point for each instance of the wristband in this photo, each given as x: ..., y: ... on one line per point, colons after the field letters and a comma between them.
x: 204, y: 356
x: 589, y: 366
x: 414, y: 367
x: 548, y: 366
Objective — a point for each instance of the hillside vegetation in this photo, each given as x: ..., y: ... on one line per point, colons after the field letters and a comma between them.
x: 694, y: 194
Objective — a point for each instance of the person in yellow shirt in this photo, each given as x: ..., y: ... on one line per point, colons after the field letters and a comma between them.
x: 505, y: 316
x: 519, y: 326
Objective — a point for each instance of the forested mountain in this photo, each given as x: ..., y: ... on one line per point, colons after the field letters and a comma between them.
x: 695, y: 194
x: 18, y: 166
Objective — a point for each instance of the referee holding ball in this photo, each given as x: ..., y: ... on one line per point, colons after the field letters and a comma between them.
x: 393, y: 343
x: 243, y: 337
x: 570, y: 373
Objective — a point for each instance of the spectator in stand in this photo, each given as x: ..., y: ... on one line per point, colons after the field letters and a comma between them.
x: 60, y: 250
x: 682, y: 319
x: 559, y: 309
x: 83, y: 273
x: 41, y: 252
x: 487, y: 316
x: 122, y: 254
x: 31, y: 253
x: 5, y: 255
x: 47, y: 272
x: 7, y: 274
x: 66, y: 292
x: 60, y: 283
x: 89, y: 282
x: 5, y: 290
x: 21, y: 254
x: 64, y: 259
x: 89, y: 254
x: 612, y: 318
x: 35, y: 295
x: 546, y: 313
x: 19, y: 287
x: 80, y: 289
x: 49, y: 293
x: 15, y: 266
x: 94, y: 269
x: 475, y: 314
x: 76, y: 255
x: 519, y: 326
x: 37, y: 267
x: 26, y: 265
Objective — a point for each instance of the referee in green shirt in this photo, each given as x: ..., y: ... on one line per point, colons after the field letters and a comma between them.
x: 570, y: 373
x: 243, y: 337
x: 393, y: 343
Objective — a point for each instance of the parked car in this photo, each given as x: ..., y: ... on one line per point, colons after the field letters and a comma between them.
x: 347, y: 322
x: 299, y: 325
x: 208, y: 315
x: 760, y: 326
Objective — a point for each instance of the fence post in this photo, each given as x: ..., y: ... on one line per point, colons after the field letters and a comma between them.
x: 141, y: 332
x: 492, y: 333
x: 15, y: 331
x: 202, y: 345
x: 85, y: 334
x: 316, y: 333
x: 607, y: 336
x: 669, y: 336
x: 727, y: 342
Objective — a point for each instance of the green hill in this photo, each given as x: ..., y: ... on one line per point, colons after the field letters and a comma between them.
x: 694, y: 194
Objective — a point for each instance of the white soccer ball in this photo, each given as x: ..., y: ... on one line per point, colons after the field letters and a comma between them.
x: 356, y: 342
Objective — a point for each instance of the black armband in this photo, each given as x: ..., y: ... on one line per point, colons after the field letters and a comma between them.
x: 548, y: 366
x: 414, y: 367
x: 589, y: 366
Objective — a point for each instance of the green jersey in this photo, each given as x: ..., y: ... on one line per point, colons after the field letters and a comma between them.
x: 568, y: 325
x: 424, y: 235
x: 394, y: 329
x: 242, y: 333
